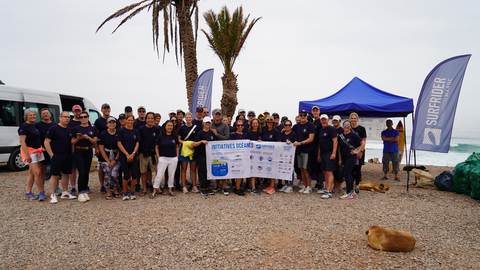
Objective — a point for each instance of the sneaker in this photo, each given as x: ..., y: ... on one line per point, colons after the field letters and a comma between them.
x: 357, y: 189
x: 185, y: 190
x: 283, y: 188
x: 137, y: 187
x: 280, y: 185
x: 319, y: 186
x: 239, y: 192
x: 86, y: 196
x: 255, y: 191
x: 347, y: 196
x: 132, y: 196
x: 59, y: 191
x: 204, y: 192
x: 41, y: 197
x: 125, y: 196
x: 353, y: 193
x: 53, y: 198
x: 302, y: 189
x: 266, y: 189
x: 68, y: 196
x: 336, y: 190
x: 103, y: 190
x: 195, y: 190
x: 211, y: 192
x: 81, y: 198
x: 301, y: 185
x: 225, y: 192
x: 289, y: 190
x: 30, y: 196
x: 327, y: 195
x: 89, y: 191
x: 322, y: 191
x: 271, y: 191
x: 307, y: 190
x: 215, y: 190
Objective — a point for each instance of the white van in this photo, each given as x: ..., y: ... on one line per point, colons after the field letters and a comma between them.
x: 14, y: 101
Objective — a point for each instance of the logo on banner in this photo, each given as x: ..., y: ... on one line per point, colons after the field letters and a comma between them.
x: 219, y: 167
x: 436, y: 135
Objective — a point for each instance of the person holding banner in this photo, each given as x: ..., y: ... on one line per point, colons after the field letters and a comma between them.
x: 350, y: 144
x: 166, y: 149
x: 254, y: 134
x: 270, y: 134
x: 360, y: 131
x: 202, y: 138
x: 186, y: 135
x: 221, y: 130
x: 305, y: 131
x: 288, y: 136
x: 239, y: 135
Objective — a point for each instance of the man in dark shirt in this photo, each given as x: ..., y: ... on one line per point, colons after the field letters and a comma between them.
x: 140, y: 121
x: 327, y: 152
x: 305, y: 131
x: 43, y: 126
x: 59, y: 147
x: 146, y: 157
x: 199, y: 117
x: 221, y: 130
x: 74, y: 122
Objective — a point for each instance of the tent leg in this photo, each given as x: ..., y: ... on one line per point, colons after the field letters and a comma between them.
x: 408, y: 163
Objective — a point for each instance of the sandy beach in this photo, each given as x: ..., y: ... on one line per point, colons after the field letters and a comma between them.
x: 279, y: 231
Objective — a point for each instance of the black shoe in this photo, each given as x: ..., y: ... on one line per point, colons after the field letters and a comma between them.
x: 279, y: 185
x: 239, y: 192
x: 178, y: 188
x: 137, y: 187
x: 190, y: 188
x: 318, y: 186
x: 210, y: 192
x: 204, y: 192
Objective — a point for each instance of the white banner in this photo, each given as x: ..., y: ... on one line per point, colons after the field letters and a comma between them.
x: 245, y: 158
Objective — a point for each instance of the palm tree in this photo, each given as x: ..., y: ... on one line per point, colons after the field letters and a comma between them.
x: 226, y: 38
x: 184, y: 9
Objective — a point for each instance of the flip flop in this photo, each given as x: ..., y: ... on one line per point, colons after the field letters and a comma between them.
x: 384, y: 178
x: 152, y: 196
x: 397, y: 179
x: 108, y: 198
x: 143, y: 193
x: 116, y: 195
x: 171, y: 194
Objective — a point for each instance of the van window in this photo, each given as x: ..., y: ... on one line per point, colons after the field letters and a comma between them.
x: 54, y: 110
x: 10, y: 113
x: 94, y: 115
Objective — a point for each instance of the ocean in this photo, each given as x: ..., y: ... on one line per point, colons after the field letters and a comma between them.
x: 463, y: 143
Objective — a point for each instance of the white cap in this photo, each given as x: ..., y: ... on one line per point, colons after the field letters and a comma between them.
x: 337, y: 117
x: 324, y: 116
x: 207, y: 119
x: 172, y: 111
x: 240, y: 110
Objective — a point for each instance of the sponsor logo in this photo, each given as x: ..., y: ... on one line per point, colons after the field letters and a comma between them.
x: 436, y: 133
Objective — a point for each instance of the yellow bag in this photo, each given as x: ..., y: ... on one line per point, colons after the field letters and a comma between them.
x: 186, y: 152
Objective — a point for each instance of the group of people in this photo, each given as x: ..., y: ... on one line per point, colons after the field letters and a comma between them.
x: 130, y: 150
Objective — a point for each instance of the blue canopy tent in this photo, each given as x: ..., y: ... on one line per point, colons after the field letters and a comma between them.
x: 362, y: 98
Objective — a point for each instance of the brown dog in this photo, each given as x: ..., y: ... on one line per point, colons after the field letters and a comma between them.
x: 384, y: 239
x: 372, y: 187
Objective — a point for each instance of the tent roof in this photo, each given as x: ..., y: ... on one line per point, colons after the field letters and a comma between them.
x: 362, y: 98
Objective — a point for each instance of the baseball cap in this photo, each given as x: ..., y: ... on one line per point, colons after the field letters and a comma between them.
x: 111, y: 118
x: 172, y: 111
x: 207, y: 119
x: 315, y: 107
x: 216, y: 110
x: 302, y: 111
x: 76, y: 107
x: 284, y: 118
x: 122, y: 116
x: 261, y: 115
x: 249, y: 112
x: 241, y: 110
x: 337, y: 117
x: 128, y: 109
x: 275, y: 114
x: 141, y: 107
x: 324, y: 116
x: 105, y: 105
x: 180, y: 111
x: 199, y: 109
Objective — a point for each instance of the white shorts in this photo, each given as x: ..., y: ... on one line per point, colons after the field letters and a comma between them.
x: 35, y: 158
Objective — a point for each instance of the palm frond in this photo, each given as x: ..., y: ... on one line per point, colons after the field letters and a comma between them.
x: 120, y: 12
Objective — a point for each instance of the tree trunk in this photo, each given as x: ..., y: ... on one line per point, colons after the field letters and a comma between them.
x: 230, y: 88
x: 188, y: 45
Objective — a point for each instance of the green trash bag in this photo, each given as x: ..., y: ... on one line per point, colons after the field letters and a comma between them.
x: 474, y: 181
x: 461, y: 180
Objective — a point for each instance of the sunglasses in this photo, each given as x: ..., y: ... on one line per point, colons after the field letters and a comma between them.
x: 261, y: 118
x: 239, y: 125
x: 346, y: 125
x: 276, y: 117
x: 174, y: 121
x: 302, y: 115
x: 141, y: 111
x: 288, y: 125
x: 83, y: 117
x: 251, y: 115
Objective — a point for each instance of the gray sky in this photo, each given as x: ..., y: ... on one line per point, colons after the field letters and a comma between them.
x: 303, y: 50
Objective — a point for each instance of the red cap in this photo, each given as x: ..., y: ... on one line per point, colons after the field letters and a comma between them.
x: 76, y: 107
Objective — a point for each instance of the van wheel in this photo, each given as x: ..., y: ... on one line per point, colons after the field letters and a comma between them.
x: 15, y: 162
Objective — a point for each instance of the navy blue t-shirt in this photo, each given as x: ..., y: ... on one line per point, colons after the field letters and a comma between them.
x: 74, y: 123
x: 280, y: 127
x: 199, y: 123
x: 233, y: 129
x: 202, y: 135
x: 236, y: 136
x: 325, y: 136
x: 128, y: 138
x: 101, y: 124
x: 271, y: 136
x: 184, y: 130
x: 138, y: 123
x: 89, y: 130
x: 291, y: 137
x: 339, y: 130
x: 254, y: 136
x: 167, y: 145
x: 32, y: 134
x: 360, y: 131
x: 108, y: 141
x: 61, y: 138
x: 318, y: 126
x: 148, y: 135
x: 303, y: 131
x: 43, y: 128
x: 353, y: 139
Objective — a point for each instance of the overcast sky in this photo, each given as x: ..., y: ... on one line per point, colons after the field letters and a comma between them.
x: 299, y: 50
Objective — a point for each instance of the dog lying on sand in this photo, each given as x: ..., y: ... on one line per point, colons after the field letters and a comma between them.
x: 372, y: 187
x: 384, y: 239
